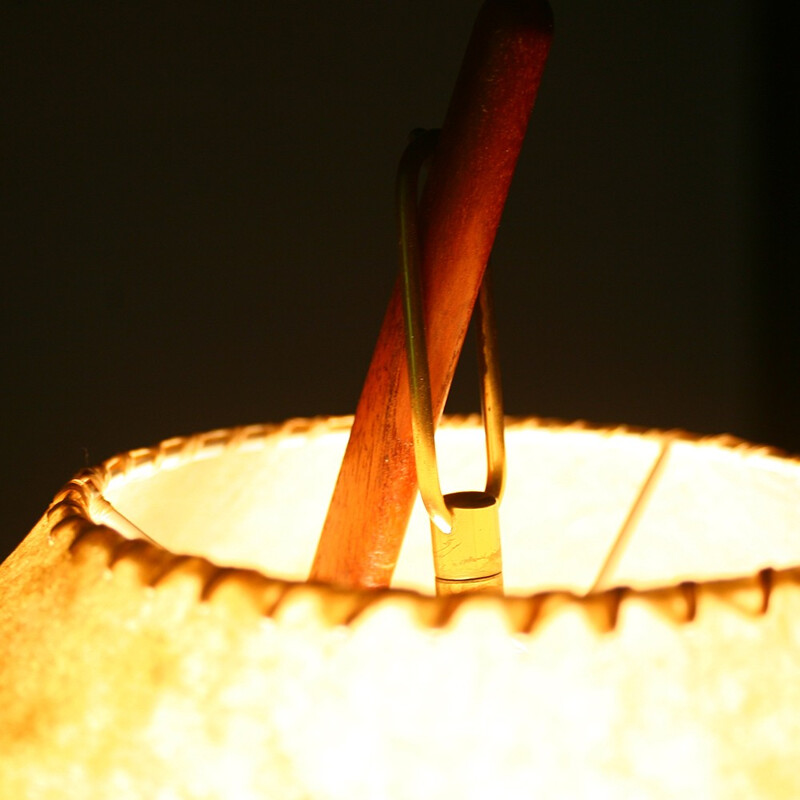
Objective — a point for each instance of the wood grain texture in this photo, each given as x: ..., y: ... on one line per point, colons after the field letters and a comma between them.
x: 460, y: 210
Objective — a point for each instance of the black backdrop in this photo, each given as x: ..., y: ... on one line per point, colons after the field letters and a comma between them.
x: 200, y: 233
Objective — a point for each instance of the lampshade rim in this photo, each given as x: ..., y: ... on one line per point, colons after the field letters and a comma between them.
x: 71, y: 523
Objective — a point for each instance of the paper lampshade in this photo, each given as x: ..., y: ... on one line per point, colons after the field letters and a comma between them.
x: 206, y: 667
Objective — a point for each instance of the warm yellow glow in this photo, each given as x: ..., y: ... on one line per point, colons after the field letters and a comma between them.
x: 127, y: 671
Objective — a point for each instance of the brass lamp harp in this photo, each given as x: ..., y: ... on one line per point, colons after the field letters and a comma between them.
x: 465, y: 526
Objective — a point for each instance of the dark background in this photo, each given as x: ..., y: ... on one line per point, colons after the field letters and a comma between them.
x: 199, y: 225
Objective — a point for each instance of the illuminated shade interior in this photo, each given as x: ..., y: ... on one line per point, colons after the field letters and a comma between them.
x: 206, y: 666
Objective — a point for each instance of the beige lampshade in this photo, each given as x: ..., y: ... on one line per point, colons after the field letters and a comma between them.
x: 205, y: 666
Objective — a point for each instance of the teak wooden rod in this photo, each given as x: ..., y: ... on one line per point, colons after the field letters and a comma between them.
x: 460, y: 211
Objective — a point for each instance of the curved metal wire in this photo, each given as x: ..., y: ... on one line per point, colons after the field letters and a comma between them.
x: 419, y: 149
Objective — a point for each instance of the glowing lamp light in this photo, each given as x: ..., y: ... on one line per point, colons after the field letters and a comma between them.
x: 201, y: 664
